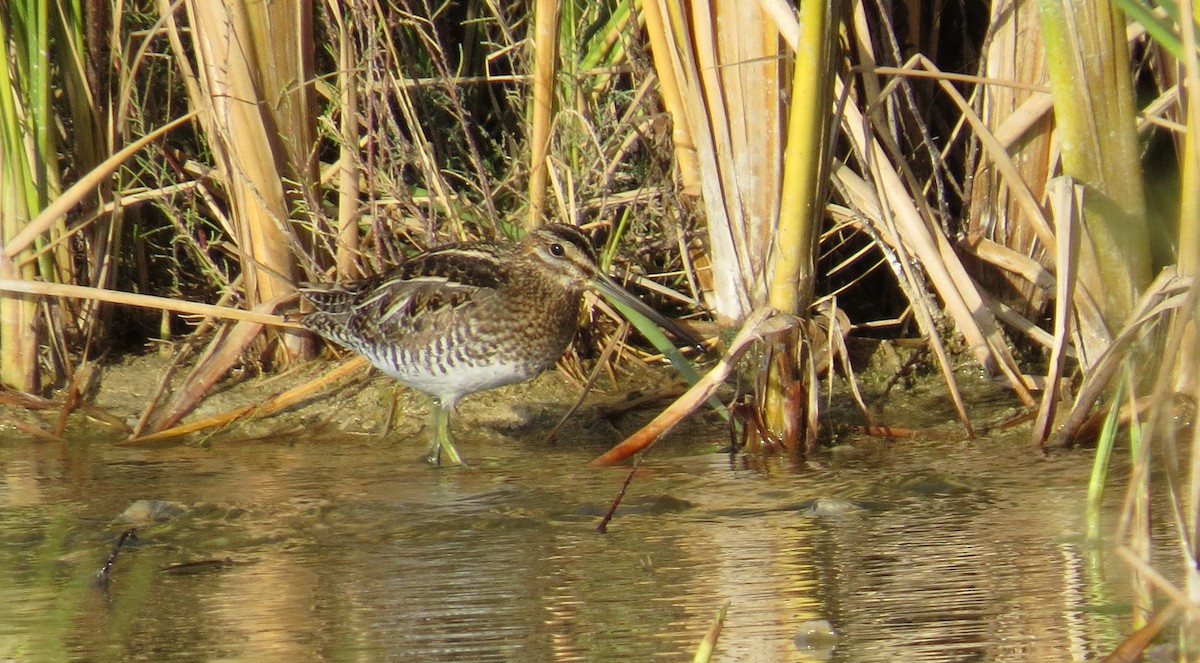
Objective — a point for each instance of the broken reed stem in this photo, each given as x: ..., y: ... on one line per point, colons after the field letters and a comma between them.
x: 761, y: 323
x: 285, y: 399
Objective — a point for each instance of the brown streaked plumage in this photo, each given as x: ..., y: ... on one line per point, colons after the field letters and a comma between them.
x: 468, y: 317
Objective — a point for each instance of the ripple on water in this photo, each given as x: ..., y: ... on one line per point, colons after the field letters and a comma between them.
x: 351, y: 551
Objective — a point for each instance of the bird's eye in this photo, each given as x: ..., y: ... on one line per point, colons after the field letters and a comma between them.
x: 557, y: 249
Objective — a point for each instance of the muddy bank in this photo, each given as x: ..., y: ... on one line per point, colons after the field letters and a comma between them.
x: 369, y: 405
x: 366, y: 403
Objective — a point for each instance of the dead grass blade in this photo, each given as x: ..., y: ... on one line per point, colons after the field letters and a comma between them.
x: 880, y: 225
x: 1062, y: 199
x: 84, y: 187
x: 1166, y: 294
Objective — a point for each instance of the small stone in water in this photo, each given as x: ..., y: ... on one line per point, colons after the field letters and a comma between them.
x: 151, y: 511
x: 831, y: 506
x: 817, y: 637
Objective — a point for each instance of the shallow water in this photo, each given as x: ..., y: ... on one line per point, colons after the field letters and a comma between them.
x: 350, y: 550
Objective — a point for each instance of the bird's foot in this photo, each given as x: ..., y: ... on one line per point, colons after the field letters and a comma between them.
x: 453, y: 458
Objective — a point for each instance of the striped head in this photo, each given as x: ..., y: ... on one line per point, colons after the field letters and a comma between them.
x: 562, y: 253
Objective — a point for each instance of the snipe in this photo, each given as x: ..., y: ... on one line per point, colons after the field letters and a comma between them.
x: 464, y: 318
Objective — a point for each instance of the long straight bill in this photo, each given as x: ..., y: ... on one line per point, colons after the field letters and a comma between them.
x: 645, y: 318
x: 620, y: 296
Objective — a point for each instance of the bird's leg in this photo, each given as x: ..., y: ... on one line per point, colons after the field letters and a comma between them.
x: 442, y: 440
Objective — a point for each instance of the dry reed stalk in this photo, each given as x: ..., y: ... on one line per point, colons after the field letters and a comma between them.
x: 254, y: 71
x: 346, y: 252
x: 686, y: 158
x: 143, y: 301
x: 998, y: 212
x: 18, y: 328
x: 725, y: 58
x: 1030, y: 271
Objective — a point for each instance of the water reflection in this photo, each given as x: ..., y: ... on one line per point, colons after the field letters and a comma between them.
x: 349, y: 550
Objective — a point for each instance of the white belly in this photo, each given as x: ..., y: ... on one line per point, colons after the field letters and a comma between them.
x: 453, y: 382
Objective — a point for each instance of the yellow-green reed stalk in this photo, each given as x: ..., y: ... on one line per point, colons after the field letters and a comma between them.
x: 545, y: 68
x: 1089, y: 63
x: 1189, y: 241
x: 26, y: 154
x: 805, y: 170
x: 1189, y: 235
x: 1177, y: 35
